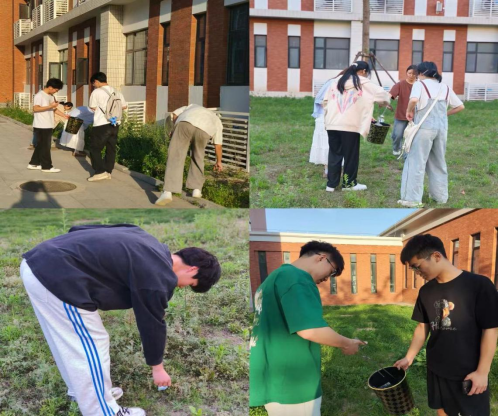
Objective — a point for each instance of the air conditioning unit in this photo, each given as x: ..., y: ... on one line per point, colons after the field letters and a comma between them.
x: 439, y: 7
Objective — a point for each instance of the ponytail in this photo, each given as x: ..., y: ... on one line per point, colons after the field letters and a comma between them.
x: 352, y: 72
x: 429, y: 69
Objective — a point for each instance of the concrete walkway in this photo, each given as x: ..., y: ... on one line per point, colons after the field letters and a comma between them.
x: 122, y: 191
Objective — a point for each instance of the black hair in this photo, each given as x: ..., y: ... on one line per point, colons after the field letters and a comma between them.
x: 209, y: 268
x: 421, y: 246
x: 54, y: 83
x: 429, y: 69
x: 313, y: 247
x: 98, y: 76
x: 351, y: 72
x: 68, y: 104
x: 412, y: 67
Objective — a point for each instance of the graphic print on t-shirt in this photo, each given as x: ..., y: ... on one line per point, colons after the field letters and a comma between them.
x: 347, y: 99
x: 258, y: 307
x: 442, y: 320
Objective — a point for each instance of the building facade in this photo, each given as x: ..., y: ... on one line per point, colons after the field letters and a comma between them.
x: 297, y: 45
x: 160, y: 54
x: 373, y: 272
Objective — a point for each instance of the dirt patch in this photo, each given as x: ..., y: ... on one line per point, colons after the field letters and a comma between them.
x: 222, y: 335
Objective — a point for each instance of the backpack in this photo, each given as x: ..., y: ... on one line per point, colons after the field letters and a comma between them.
x: 114, y: 108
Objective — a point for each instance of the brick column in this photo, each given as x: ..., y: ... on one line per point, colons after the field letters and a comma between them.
x: 307, y: 40
x: 70, y: 65
x: 154, y: 58
x: 251, y: 54
x: 459, y: 64
x: 277, y: 42
x: 405, y: 52
x: 433, y: 45
x: 180, y: 51
x: 50, y: 53
x: 112, y: 45
x: 215, y: 69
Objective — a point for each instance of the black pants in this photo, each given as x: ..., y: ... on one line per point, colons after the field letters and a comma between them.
x: 343, y: 144
x: 103, y: 136
x: 41, y: 154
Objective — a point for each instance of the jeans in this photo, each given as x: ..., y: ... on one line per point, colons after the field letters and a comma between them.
x: 397, y: 134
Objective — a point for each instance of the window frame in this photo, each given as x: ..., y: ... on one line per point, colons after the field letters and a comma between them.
x: 63, y: 62
x: 28, y: 71
x: 455, y: 244
x: 233, y: 37
x: 200, y: 42
x: 325, y: 49
x: 452, y: 53
x: 354, y: 275
x: 416, y: 51
x: 476, y: 53
x: 392, y: 273
x: 284, y: 255
x: 263, y: 265
x: 265, y: 65
x: 375, y: 49
x: 132, y: 52
x: 476, y: 252
x: 373, y: 273
x: 289, y: 48
x: 166, y: 52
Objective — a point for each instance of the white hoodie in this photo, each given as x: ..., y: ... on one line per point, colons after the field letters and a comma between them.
x: 353, y: 110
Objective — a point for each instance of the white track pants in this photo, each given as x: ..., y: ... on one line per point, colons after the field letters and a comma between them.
x: 80, y: 346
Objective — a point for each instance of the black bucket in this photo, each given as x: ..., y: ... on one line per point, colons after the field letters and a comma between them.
x: 391, y: 387
x: 73, y: 125
x: 378, y: 133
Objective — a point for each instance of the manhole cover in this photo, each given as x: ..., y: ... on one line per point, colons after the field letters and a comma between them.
x: 47, y: 186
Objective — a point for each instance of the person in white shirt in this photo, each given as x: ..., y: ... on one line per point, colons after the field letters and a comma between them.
x: 428, y: 149
x: 104, y: 133
x: 77, y: 141
x: 44, y: 107
x: 194, y: 126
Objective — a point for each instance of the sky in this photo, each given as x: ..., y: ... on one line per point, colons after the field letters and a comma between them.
x: 368, y: 222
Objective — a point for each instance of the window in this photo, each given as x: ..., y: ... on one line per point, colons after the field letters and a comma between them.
x: 81, y: 71
x: 476, y: 248
x: 28, y: 71
x: 200, y: 45
x: 54, y: 70
x: 373, y: 273
x: 354, y: 284
x: 287, y: 257
x: 238, y: 46
x: 448, y: 49
x: 331, y: 53
x: 166, y: 45
x: 263, y: 269
x: 333, y: 285
x: 392, y: 272
x: 73, y: 60
x: 482, y: 57
x: 136, y: 58
x: 63, y: 58
x: 40, y: 76
x: 406, y: 276
x: 414, y: 280
x: 260, y: 51
x: 294, y: 51
x: 386, y: 51
x: 417, y: 52
x: 456, y: 247
x: 97, y: 56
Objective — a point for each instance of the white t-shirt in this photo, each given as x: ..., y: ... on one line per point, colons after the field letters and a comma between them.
x: 203, y: 119
x: 98, y: 100
x: 418, y: 91
x: 44, y: 119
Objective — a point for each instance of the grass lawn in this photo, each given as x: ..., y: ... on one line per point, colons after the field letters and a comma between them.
x: 388, y: 330
x: 282, y: 177
x: 206, y: 353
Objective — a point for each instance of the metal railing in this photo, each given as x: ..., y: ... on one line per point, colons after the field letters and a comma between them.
x: 22, y: 100
x: 481, y: 92
x: 386, y: 6
x: 37, y: 16
x: 136, y: 112
x: 54, y: 8
x: 344, y: 6
x: 484, y: 8
x: 21, y: 27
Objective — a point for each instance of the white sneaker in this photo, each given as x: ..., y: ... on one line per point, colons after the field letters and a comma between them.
x: 410, y: 204
x: 196, y: 193
x: 396, y: 153
x: 97, y: 177
x: 329, y: 189
x: 109, y: 175
x: 116, y: 393
x: 51, y: 170
x: 165, y: 198
x: 131, y: 411
x: 357, y: 187
x: 34, y: 167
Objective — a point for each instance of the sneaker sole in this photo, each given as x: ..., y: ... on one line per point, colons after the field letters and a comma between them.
x: 163, y: 202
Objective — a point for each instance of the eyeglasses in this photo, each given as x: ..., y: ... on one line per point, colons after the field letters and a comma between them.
x: 334, y: 270
x: 417, y: 268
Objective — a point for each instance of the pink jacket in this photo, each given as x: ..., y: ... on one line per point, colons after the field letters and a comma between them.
x: 353, y: 110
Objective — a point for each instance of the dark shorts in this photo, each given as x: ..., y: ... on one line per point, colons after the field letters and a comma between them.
x: 448, y: 395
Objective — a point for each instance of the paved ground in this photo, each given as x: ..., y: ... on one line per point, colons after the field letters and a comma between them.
x: 122, y: 191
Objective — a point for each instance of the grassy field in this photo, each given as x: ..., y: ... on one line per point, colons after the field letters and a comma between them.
x: 206, y: 354
x: 388, y: 330
x: 282, y: 177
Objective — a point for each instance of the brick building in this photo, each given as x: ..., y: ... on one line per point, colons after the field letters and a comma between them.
x: 373, y: 272
x: 296, y: 45
x: 159, y: 54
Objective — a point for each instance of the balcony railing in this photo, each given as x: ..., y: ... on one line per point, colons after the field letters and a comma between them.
x: 37, y: 16
x: 484, y: 8
x: 481, y: 92
x: 21, y: 27
x: 342, y: 6
x: 386, y: 6
x: 21, y: 99
x: 54, y: 8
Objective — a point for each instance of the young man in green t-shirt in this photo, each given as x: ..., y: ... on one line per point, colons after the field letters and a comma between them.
x: 285, y: 363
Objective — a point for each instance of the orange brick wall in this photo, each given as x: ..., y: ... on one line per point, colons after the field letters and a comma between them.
x: 463, y: 8
x: 154, y: 58
x: 277, y: 55
x: 484, y: 221
x: 274, y: 258
x: 307, y: 45
x: 409, y: 8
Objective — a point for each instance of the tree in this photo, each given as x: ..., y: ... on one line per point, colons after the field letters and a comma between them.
x: 366, y: 30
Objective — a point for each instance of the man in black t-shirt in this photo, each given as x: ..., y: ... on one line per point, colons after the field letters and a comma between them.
x: 107, y: 267
x: 460, y: 311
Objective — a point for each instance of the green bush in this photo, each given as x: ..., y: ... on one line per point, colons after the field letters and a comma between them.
x: 18, y: 114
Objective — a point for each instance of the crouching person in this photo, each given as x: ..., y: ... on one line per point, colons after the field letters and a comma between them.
x: 70, y: 277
